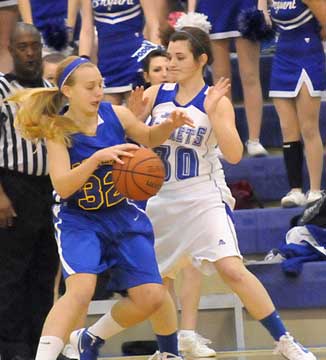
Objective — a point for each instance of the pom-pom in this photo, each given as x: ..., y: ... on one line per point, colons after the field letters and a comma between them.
x: 193, y: 19
x: 146, y: 48
x: 55, y: 34
x: 252, y: 25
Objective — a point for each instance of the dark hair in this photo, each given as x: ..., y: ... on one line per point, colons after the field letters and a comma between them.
x: 199, y: 40
x: 153, y: 54
x: 53, y: 58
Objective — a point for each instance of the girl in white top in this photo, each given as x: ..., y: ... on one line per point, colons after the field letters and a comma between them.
x: 192, y: 213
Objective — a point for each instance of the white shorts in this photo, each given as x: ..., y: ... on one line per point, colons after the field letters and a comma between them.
x: 193, y: 225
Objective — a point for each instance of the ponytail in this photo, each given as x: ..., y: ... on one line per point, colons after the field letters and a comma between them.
x: 38, y: 114
x: 37, y: 117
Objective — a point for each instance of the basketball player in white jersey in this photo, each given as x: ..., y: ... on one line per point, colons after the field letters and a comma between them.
x: 196, y: 225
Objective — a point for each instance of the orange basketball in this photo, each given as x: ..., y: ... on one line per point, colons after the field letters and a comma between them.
x: 141, y: 176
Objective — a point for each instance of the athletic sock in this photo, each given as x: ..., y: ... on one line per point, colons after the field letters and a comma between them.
x: 274, y: 324
x: 105, y: 327
x: 168, y: 343
x: 49, y: 348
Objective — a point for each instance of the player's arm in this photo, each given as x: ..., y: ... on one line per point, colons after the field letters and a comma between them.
x: 67, y: 181
x: 24, y: 7
x: 150, y: 136
x: 221, y: 114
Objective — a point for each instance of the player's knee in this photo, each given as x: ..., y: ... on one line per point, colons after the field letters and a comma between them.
x: 81, y: 292
x: 233, y: 274
x: 150, y: 298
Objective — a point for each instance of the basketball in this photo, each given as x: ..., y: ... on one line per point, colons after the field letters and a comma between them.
x: 141, y: 176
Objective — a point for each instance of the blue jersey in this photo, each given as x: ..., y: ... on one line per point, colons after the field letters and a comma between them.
x: 223, y: 14
x: 113, y: 17
x: 293, y: 15
x: 44, y: 12
x: 118, y: 235
x: 299, y: 56
x: 98, y: 192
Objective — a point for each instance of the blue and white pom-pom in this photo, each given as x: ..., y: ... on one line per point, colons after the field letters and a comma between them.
x: 252, y: 25
x: 193, y: 19
x: 146, y: 48
x: 55, y: 34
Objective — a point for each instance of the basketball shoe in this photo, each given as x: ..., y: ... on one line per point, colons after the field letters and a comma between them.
x: 195, y: 345
x: 292, y: 350
x: 86, y: 344
x: 164, y: 356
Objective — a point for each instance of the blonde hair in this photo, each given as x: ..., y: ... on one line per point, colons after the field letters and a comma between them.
x: 38, y: 114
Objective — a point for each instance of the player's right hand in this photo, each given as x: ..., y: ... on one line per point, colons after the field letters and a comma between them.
x: 113, y: 153
x: 7, y: 212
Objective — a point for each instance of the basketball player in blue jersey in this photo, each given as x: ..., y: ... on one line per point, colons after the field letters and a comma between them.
x: 298, y: 79
x: 96, y: 227
x: 119, y: 27
x: 195, y: 193
x: 223, y: 15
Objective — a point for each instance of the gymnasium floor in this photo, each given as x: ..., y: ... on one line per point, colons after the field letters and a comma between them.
x: 245, y: 355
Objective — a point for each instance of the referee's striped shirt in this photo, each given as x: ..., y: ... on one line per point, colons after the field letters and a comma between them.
x: 16, y: 153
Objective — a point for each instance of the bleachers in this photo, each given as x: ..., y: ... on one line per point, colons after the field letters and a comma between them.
x: 260, y: 230
x: 267, y: 176
x: 304, y: 291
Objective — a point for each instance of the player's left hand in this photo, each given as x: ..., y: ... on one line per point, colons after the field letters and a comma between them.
x: 178, y: 118
x: 215, y: 94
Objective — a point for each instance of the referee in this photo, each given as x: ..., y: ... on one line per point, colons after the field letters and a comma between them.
x: 28, y: 254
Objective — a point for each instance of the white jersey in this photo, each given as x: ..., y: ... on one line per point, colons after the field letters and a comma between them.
x: 196, y: 224
x: 189, y: 153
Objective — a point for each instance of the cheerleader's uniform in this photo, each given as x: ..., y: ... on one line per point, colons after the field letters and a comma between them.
x: 120, y: 34
x: 299, y: 56
x: 223, y: 14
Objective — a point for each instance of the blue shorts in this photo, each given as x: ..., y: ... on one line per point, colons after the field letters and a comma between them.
x: 299, y: 59
x: 119, y: 238
x: 121, y: 72
x: 223, y: 15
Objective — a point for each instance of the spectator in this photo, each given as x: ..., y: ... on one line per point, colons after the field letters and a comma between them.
x: 223, y: 15
x: 114, y: 233
x: 298, y: 79
x: 28, y: 252
x: 119, y: 36
x: 8, y: 19
x: 155, y: 67
x: 50, y: 65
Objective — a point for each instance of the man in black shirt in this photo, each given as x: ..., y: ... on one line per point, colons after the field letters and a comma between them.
x: 28, y: 252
